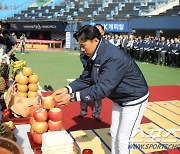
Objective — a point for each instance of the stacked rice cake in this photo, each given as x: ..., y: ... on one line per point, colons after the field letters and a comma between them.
x: 57, y: 142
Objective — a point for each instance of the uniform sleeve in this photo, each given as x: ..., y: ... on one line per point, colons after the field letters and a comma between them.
x: 111, y: 75
x: 82, y: 82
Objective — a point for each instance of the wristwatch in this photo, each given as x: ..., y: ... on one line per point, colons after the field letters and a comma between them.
x: 72, y: 97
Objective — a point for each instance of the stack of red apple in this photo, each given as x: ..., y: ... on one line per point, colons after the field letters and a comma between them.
x: 44, y: 117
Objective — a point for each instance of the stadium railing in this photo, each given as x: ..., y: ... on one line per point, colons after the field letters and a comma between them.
x: 42, y: 44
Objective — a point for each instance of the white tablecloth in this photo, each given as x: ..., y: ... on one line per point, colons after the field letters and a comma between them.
x: 22, y: 138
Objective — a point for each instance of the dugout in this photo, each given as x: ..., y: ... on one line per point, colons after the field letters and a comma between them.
x: 41, y: 30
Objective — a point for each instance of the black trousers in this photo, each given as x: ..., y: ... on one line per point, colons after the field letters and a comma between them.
x: 96, y: 109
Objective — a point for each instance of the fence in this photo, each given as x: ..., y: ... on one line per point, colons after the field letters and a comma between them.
x: 42, y: 44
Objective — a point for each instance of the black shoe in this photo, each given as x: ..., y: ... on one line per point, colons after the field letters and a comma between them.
x: 50, y: 88
x: 46, y: 88
x: 82, y: 115
x: 98, y: 119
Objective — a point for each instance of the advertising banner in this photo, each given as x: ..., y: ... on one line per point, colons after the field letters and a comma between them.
x: 115, y: 26
x: 39, y: 26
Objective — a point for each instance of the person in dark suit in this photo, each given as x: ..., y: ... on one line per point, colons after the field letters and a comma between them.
x: 98, y: 103
x: 141, y: 49
x: 146, y: 44
x: 162, y: 53
x: 152, y: 49
x: 125, y: 42
x: 175, y: 52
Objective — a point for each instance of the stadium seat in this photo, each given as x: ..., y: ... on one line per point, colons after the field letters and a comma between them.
x: 84, y: 10
x: 89, y: 16
x: 75, y: 13
x: 55, y: 14
x: 40, y: 15
x: 99, y: 9
x: 116, y: 9
x: 140, y: 12
x: 81, y: 10
x: 86, y: 4
x: 47, y: 11
x: 128, y: 15
x: 67, y: 8
x: 107, y: 16
x: 25, y: 15
x: 69, y: 17
x: 32, y: 11
x: 112, y: 12
x: 72, y: 5
x: 94, y: 13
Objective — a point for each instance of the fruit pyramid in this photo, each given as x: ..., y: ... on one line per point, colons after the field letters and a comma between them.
x: 27, y: 83
x: 2, y: 84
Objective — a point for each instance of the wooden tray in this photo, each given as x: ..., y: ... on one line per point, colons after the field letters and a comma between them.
x: 17, y: 121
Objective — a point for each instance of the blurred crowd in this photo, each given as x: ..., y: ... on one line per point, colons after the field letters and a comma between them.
x: 158, y: 50
x: 7, y: 42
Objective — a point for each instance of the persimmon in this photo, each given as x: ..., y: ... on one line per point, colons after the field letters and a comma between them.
x: 33, y: 78
x: 23, y: 79
x: 27, y: 71
x: 33, y: 87
x: 21, y: 94
x: 22, y: 87
x: 32, y: 94
x: 17, y: 77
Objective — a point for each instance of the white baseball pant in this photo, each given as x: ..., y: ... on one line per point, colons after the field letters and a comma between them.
x: 125, y: 123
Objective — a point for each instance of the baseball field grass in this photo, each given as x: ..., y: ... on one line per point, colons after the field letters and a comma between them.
x: 58, y: 68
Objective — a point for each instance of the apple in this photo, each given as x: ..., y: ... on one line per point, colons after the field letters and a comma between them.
x: 31, y: 120
x: 40, y: 115
x: 6, y: 113
x: 32, y: 109
x: 48, y: 102
x: 37, y: 138
x: 40, y: 127
x: 54, y: 125
x: 55, y: 114
x: 31, y: 131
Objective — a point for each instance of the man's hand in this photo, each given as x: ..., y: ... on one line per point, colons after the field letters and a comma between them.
x: 58, y: 94
x: 60, y: 91
x: 63, y: 99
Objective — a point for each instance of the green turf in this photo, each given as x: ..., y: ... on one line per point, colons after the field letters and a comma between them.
x: 55, y: 68
x: 158, y: 75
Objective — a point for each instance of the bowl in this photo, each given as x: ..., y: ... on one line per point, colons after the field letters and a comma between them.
x: 10, y: 146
